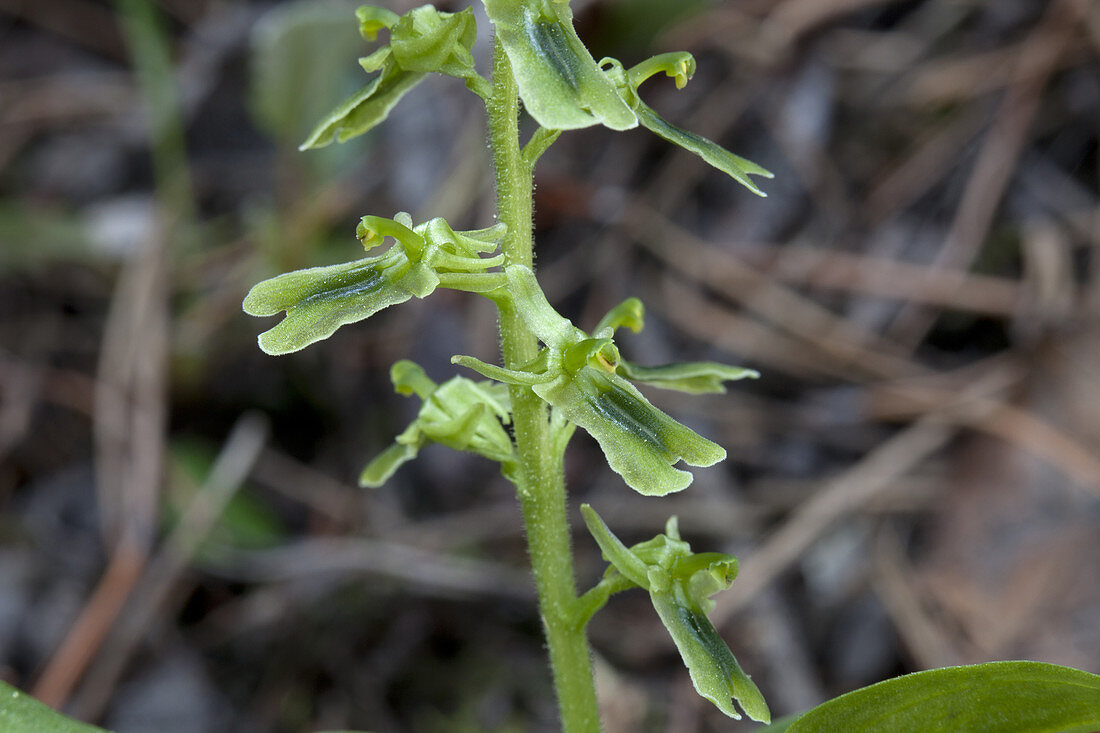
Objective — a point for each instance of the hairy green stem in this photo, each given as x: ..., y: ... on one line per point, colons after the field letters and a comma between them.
x: 540, y: 482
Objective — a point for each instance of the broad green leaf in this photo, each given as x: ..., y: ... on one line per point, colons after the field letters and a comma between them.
x: 21, y: 713
x: 559, y: 82
x: 997, y: 697
x: 680, y: 584
x: 640, y: 442
x: 460, y: 414
x: 699, y: 377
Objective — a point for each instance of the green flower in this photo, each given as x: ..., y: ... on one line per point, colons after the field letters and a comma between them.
x: 681, y: 67
x: 423, y: 40
x: 460, y: 414
x: 559, y: 82
x: 319, y: 300
x: 579, y: 376
x: 680, y: 584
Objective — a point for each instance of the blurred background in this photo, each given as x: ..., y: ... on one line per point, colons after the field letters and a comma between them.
x: 914, y: 481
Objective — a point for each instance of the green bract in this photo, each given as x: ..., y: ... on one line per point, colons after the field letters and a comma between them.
x: 559, y: 82
x: 680, y: 66
x: 680, y: 584
x: 319, y: 300
x: 578, y: 375
x: 421, y: 41
x: 460, y: 414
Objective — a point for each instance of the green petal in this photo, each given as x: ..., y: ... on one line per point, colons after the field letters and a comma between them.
x: 409, y: 378
x: 379, y: 470
x: 426, y: 40
x: 733, y: 165
x: 640, y: 442
x: 628, y: 314
x: 559, y: 82
x: 366, y: 108
x: 714, y: 670
x: 372, y: 19
x: 697, y: 377
x: 319, y: 300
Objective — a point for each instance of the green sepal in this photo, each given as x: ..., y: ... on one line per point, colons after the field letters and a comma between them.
x: 460, y: 414
x: 319, y: 300
x: 680, y: 584
x: 559, y: 82
x: 698, y: 377
x: 427, y: 40
x: 614, y: 551
x: 372, y: 19
x: 518, y: 377
x: 680, y: 66
x: 409, y: 378
x: 640, y: 442
x: 628, y: 314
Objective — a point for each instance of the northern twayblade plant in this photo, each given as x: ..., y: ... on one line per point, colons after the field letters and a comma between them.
x: 554, y: 376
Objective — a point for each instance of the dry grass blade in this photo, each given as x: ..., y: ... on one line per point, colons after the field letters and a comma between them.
x: 430, y: 572
x: 830, y: 334
x: 999, y: 155
x: 830, y: 269
x: 850, y: 490
x: 163, y: 571
x: 928, y: 642
x: 998, y: 418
